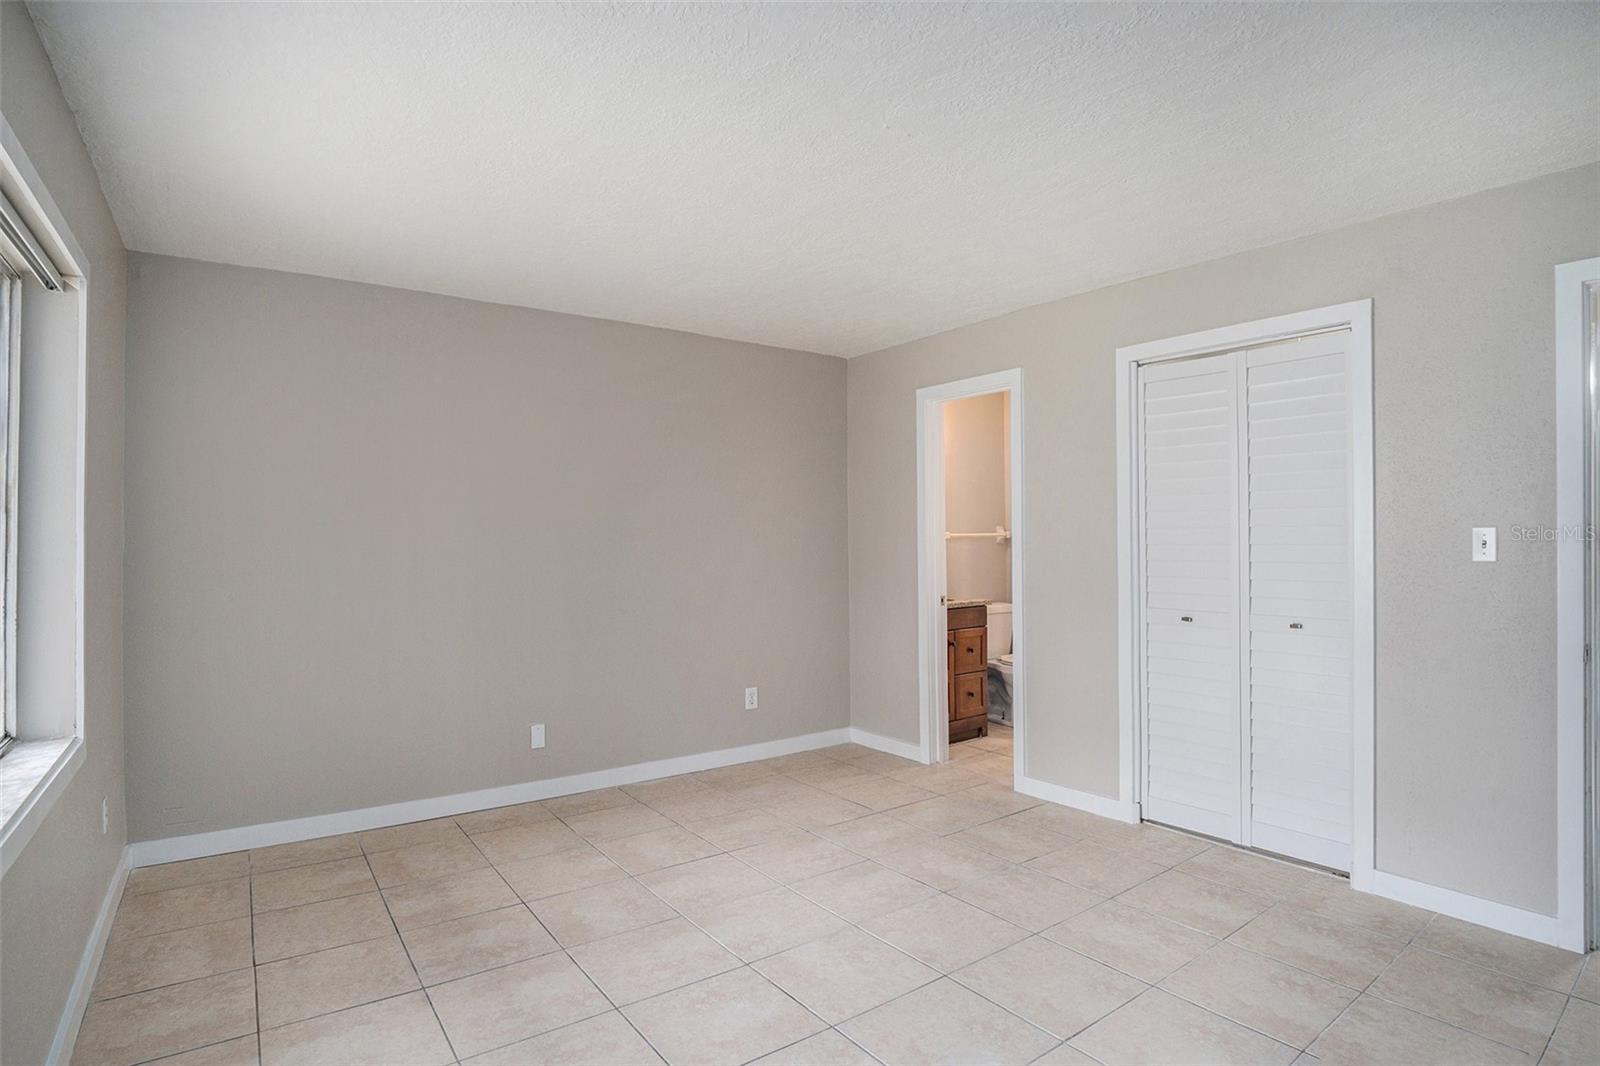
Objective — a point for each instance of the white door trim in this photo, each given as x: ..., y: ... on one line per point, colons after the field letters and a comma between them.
x: 1572, y: 514
x: 931, y: 698
x: 1357, y: 317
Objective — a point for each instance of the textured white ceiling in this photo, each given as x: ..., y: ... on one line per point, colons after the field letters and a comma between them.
x: 830, y: 177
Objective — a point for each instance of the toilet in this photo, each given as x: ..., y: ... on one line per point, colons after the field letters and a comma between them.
x: 1000, y: 658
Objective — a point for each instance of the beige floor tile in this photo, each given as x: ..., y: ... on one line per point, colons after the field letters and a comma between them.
x: 325, y: 981
x: 613, y: 822
x: 997, y: 768
x: 646, y: 962
x: 876, y: 835
x: 562, y: 871
x: 1482, y: 1001
x: 1165, y: 847
x: 795, y: 858
x: 1588, y: 986
x: 1024, y: 897
x: 1065, y: 1055
x: 504, y: 817
x: 776, y: 789
x: 739, y: 829
x: 827, y: 775
x: 881, y: 762
x: 604, y: 1040
x: 423, y: 903
x: 726, y: 777
x: 704, y: 883
x: 844, y: 974
x: 1107, y: 871
x: 584, y: 802
x: 595, y: 913
x: 944, y: 932
x: 816, y: 811
x: 665, y: 787
x: 391, y: 1031
x: 1000, y: 799
x: 303, y: 853
x: 1012, y: 840
x: 141, y: 963
x: 478, y: 942
x: 498, y: 1007
x: 1133, y: 941
x: 425, y: 862
x: 731, y: 1018
x: 878, y: 793
x: 1196, y: 902
x: 1537, y: 963
x: 1159, y: 1027
x: 1576, y: 1041
x: 944, y: 864
x: 753, y: 927
x: 939, y: 778
x: 312, y: 927
x: 1253, y: 873
x: 434, y: 831
x: 1332, y: 897
x: 696, y: 806
x: 1056, y: 989
x: 1373, y: 1031
x: 656, y: 850
x: 944, y: 1022
x: 192, y: 872
x: 240, y: 1051
x: 862, y: 890
x: 1067, y: 822
x: 528, y: 840
x: 308, y: 884
x: 1271, y: 997
x: 164, y: 1021
x: 827, y: 1048
x: 1345, y: 953
x: 946, y: 814
x: 181, y: 908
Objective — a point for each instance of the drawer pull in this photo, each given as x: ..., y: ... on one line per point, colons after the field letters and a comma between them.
x: 1187, y: 618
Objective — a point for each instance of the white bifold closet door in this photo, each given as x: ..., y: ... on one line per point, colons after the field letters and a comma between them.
x: 1246, y: 579
x: 1190, y: 583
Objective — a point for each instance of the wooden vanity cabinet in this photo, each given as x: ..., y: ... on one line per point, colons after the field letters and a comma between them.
x: 967, y: 670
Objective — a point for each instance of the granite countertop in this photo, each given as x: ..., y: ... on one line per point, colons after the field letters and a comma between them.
x: 966, y: 603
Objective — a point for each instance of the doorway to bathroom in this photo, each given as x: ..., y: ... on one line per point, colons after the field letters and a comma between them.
x: 970, y: 618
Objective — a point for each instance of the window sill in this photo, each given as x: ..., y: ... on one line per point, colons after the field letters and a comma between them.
x: 33, y: 775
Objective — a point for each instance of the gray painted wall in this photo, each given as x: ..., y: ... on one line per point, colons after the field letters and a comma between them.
x: 374, y: 534
x: 1463, y: 367
x: 51, y: 894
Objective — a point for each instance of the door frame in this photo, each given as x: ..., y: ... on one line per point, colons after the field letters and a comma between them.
x: 1577, y: 817
x: 1355, y: 316
x: 933, y: 716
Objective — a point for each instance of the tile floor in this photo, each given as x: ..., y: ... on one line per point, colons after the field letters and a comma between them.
x: 834, y: 906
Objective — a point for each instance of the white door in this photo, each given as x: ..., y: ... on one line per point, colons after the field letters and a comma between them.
x: 1189, y: 566
x: 1300, y: 596
x: 1246, y: 577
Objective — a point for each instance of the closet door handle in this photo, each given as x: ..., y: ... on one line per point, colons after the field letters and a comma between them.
x: 1296, y: 625
x: 1186, y: 618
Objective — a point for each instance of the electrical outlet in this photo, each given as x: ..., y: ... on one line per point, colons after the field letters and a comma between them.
x: 749, y: 699
x: 105, y: 815
x: 537, y: 735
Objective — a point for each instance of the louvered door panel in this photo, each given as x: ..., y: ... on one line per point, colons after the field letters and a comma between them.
x: 1190, y: 568
x: 1299, y: 556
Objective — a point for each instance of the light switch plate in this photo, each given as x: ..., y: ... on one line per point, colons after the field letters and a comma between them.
x: 537, y: 735
x: 1483, y: 549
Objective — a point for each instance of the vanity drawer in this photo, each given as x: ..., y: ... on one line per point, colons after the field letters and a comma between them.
x: 970, y: 692
x: 974, y: 617
x: 971, y: 651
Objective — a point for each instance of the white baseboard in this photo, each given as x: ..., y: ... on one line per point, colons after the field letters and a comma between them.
x: 88, y: 966
x: 1531, y: 925
x: 222, y: 841
x: 1104, y: 806
x: 901, y: 748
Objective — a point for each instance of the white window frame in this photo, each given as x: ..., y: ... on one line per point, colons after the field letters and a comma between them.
x: 36, y: 770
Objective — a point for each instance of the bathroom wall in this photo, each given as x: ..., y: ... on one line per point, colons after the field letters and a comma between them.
x: 374, y: 535
x: 977, y: 440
